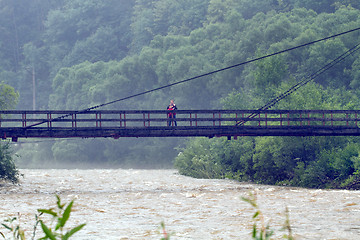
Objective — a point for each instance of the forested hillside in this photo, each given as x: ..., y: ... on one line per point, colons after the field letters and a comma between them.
x: 81, y: 53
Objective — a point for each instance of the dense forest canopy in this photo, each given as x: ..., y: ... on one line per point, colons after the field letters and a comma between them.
x: 81, y: 53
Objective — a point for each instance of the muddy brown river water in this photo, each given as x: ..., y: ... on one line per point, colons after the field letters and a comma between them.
x: 131, y: 204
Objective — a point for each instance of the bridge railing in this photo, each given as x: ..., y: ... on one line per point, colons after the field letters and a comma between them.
x: 188, y: 118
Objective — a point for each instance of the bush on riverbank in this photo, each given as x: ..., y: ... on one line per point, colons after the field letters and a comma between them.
x: 315, y: 162
x: 8, y: 170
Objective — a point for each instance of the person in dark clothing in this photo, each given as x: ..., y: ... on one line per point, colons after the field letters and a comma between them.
x: 171, y: 114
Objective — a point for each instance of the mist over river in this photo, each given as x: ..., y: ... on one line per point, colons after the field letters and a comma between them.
x: 131, y: 204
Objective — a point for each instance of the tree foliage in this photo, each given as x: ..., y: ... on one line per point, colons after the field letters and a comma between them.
x: 8, y: 171
x: 88, y: 52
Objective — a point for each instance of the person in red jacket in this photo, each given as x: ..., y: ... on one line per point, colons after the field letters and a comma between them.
x: 171, y: 114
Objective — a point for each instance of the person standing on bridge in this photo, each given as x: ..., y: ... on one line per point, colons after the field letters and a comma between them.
x: 171, y: 114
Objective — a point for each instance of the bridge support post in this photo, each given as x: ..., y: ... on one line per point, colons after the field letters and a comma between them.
x: 49, y: 123
x: 259, y: 119
x: 266, y: 119
x: 73, y: 123
x: 331, y: 119
x: 98, y: 119
x: 24, y: 119
x: 355, y: 120
x: 288, y: 115
x: 148, y: 117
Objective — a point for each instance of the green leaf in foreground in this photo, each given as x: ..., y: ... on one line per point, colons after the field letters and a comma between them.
x: 72, y: 231
x: 48, y: 233
x: 66, y: 214
x: 48, y: 211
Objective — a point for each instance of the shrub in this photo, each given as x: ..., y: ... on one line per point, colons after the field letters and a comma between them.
x: 8, y: 169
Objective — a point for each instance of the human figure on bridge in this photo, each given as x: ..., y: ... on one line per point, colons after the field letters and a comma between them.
x: 172, y: 107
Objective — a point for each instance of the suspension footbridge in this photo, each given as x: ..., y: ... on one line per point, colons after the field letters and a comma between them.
x: 188, y: 123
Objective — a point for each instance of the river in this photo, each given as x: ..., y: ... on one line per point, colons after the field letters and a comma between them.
x: 131, y: 204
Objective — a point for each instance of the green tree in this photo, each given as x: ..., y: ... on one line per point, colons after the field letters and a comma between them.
x: 21, y: 45
x: 92, y: 31
x: 268, y: 76
x: 200, y: 160
x: 79, y: 153
x: 355, y: 74
x: 8, y: 97
x: 8, y: 171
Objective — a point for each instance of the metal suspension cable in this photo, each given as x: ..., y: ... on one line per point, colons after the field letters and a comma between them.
x: 200, y: 76
x: 310, y: 78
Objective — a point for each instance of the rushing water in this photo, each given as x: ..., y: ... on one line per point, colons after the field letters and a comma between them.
x: 131, y: 204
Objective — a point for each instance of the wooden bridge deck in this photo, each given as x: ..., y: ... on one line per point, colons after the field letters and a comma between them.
x: 155, y: 123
